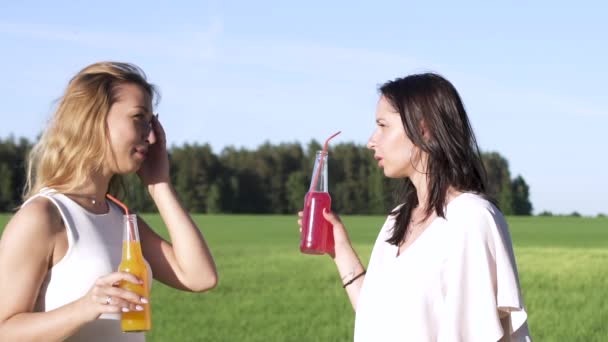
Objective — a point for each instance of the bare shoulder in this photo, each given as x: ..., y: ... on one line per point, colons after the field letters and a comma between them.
x: 26, y: 249
x: 38, y: 218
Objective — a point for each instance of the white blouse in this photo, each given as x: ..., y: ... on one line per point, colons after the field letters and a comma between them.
x: 457, y: 282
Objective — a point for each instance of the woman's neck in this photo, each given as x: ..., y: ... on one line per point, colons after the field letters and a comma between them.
x: 95, y: 190
x: 421, y: 183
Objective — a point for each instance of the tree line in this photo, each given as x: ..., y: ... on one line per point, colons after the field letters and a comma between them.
x: 271, y: 179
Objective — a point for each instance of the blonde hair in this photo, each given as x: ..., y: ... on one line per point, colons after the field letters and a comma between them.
x: 76, y: 141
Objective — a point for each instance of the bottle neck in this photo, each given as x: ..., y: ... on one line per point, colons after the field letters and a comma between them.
x: 131, y: 248
x: 318, y: 181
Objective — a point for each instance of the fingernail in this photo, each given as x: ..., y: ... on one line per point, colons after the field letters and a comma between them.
x: 139, y: 308
x: 125, y: 309
x: 143, y: 300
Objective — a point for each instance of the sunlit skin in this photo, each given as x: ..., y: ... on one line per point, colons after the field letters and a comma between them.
x: 130, y: 129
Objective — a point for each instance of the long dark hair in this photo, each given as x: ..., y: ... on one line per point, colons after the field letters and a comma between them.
x: 435, y: 120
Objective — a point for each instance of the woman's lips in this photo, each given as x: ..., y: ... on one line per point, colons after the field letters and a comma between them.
x: 141, y: 152
x: 380, y: 161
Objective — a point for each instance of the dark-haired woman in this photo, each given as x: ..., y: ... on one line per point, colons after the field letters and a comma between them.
x: 442, y: 267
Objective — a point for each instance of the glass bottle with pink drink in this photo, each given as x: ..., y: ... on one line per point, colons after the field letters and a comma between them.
x: 317, y: 233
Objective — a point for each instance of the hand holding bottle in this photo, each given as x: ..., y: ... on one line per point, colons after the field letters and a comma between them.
x: 106, y: 297
x: 316, y: 236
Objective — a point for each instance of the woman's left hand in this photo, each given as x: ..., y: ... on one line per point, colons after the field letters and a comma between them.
x: 155, y: 168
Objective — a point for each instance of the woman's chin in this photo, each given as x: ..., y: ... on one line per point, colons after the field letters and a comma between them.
x: 133, y: 167
x: 388, y: 173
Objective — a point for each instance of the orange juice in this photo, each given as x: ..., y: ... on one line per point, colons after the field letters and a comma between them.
x: 133, y: 262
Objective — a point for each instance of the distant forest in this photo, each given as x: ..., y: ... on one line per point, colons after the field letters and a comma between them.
x: 271, y: 179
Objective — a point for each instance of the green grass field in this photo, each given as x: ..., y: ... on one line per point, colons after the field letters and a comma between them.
x: 268, y: 291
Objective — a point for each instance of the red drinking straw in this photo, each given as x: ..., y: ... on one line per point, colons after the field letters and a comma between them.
x: 316, y: 178
x: 124, y: 207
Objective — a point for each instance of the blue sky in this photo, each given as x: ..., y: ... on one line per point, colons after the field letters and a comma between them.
x: 532, y: 75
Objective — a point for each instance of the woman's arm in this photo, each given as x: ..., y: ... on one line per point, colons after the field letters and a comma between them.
x: 26, y: 253
x: 349, y: 266
x: 185, y: 263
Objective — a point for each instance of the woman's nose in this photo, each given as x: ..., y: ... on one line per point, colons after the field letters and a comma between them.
x: 151, y: 136
x: 371, y: 143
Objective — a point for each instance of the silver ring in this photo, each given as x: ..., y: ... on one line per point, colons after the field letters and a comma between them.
x: 108, y: 300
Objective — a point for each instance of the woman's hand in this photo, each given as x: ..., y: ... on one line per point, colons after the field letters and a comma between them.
x: 106, y: 297
x: 344, y: 255
x: 341, y: 240
x: 155, y: 169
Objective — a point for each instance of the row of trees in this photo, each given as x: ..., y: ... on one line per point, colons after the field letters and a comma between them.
x: 270, y: 179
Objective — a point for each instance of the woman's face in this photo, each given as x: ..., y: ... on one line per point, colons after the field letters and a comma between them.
x: 129, y: 125
x: 393, y: 150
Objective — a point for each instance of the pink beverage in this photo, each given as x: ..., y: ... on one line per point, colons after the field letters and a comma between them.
x: 317, y: 233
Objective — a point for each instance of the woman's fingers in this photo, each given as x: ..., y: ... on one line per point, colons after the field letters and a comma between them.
x: 106, y: 297
x: 159, y: 130
x: 122, y: 295
x: 117, y: 306
x: 300, y: 215
x: 113, y: 298
x: 115, y: 278
x: 331, y: 217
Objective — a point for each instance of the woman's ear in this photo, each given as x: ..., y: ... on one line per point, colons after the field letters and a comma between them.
x: 424, y: 131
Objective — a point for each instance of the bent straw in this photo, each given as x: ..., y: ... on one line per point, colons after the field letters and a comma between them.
x: 316, y: 178
x: 124, y: 207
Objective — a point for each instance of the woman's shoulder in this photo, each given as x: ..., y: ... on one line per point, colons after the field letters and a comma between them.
x: 41, y: 213
x: 469, y: 203
x: 470, y: 211
x: 33, y: 227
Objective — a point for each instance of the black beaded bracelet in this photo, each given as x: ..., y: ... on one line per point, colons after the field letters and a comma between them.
x: 354, y: 278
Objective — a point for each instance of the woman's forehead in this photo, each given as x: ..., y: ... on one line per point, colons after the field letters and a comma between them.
x: 133, y: 94
x: 385, y: 109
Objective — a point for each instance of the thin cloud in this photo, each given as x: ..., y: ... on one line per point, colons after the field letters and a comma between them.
x: 306, y: 58
x: 194, y: 46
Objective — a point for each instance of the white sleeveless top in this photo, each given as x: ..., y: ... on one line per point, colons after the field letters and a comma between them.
x: 94, y: 250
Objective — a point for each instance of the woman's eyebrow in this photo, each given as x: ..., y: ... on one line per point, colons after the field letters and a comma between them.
x: 144, y: 108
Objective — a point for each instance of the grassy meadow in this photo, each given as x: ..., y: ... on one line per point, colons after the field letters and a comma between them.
x: 268, y: 291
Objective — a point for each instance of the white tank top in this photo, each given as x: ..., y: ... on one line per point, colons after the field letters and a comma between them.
x: 94, y: 250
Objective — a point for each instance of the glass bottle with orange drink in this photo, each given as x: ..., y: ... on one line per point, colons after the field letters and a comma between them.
x: 317, y: 233
x: 133, y: 262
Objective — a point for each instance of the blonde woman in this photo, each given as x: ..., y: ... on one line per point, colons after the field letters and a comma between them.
x: 59, y: 253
